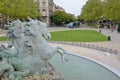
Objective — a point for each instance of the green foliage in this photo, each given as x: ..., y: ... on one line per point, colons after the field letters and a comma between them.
x: 92, y: 10
x: 60, y: 17
x: 69, y: 18
x: 18, y: 8
x: 118, y: 29
x: 80, y: 18
x: 78, y: 36
x: 112, y: 9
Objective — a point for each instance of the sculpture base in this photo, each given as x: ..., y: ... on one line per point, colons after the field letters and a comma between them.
x: 54, y: 75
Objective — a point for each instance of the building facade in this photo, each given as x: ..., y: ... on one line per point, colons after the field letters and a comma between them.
x: 58, y: 8
x: 46, y: 8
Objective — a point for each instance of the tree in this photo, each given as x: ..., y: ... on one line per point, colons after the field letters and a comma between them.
x: 92, y: 10
x: 18, y: 8
x: 60, y: 17
x: 79, y: 18
x: 69, y: 18
x: 112, y: 9
x: 118, y: 29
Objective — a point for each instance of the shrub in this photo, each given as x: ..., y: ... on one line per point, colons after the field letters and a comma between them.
x: 118, y: 29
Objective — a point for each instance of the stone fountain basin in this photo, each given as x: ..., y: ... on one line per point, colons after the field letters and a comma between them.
x: 83, y: 68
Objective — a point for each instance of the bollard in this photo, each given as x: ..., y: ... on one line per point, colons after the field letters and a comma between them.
x: 109, y: 38
x: 88, y: 46
x: 99, y: 31
x: 97, y: 48
x: 110, y: 51
x: 106, y: 50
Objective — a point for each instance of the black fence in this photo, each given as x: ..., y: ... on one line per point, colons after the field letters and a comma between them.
x: 84, y: 45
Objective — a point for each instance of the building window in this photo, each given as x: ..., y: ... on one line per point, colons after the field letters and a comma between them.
x: 44, y: 13
x: 43, y: 9
x: 43, y: 0
x: 43, y: 4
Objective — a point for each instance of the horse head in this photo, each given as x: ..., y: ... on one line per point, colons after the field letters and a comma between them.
x: 43, y: 29
x: 12, y: 28
x: 37, y: 27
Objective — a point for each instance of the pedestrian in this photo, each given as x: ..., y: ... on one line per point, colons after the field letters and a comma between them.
x: 112, y: 29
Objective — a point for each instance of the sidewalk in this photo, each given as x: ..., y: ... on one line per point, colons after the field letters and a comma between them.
x: 2, y: 32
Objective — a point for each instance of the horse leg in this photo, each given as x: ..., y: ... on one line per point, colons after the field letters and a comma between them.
x: 62, y: 52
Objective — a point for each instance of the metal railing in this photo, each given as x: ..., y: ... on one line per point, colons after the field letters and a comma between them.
x: 85, y: 45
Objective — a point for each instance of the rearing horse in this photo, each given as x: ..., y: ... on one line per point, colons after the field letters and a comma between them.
x: 41, y: 45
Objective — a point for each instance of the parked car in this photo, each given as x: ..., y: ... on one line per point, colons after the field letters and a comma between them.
x: 73, y: 24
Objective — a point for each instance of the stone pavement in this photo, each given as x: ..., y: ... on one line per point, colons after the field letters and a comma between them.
x: 2, y: 32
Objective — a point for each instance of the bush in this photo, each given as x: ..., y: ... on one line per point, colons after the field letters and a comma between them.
x: 118, y: 29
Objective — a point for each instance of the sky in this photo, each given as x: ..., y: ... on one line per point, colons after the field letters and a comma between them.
x: 71, y: 6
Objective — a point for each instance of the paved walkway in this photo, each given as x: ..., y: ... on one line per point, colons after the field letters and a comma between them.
x: 2, y: 32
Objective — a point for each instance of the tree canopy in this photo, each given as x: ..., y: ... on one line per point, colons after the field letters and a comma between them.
x: 60, y: 17
x: 112, y: 9
x: 70, y: 18
x: 18, y: 8
x: 92, y: 10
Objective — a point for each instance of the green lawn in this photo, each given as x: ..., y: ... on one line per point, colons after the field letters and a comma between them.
x: 78, y: 36
x: 3, y: 38
x: 74, y: 36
